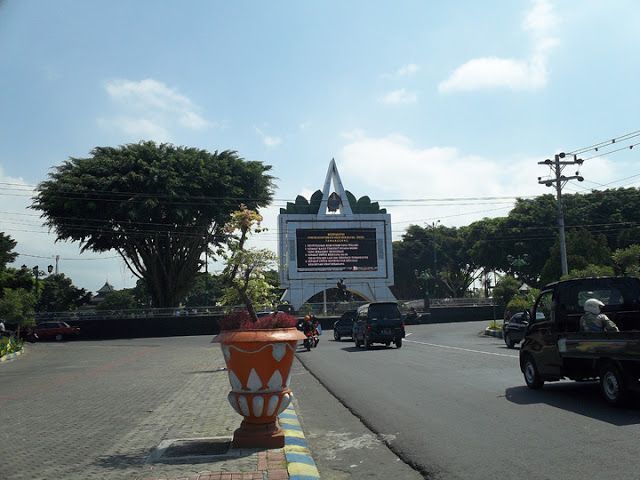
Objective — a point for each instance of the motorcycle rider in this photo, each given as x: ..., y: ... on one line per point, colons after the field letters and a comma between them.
x: 593, y: 320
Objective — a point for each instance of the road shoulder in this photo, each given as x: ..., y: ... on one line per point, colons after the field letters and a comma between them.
x: 341, y: 445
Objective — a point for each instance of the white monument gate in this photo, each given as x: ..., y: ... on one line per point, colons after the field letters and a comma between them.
x: 334, y: 237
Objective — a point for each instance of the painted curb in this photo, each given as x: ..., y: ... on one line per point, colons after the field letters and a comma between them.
x: 11, y: 356
x: 493, y: 333
x: 300, y: 464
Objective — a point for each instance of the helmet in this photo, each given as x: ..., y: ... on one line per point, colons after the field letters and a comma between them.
x: 593, y: 305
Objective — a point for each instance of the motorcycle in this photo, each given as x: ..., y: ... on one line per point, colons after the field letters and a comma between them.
x: 309, y: 342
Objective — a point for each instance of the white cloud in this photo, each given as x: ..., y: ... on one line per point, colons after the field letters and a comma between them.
x: 408, y: 70
x: 37, y: 246
x: 404, y: 71
x: 492, y: 72
x: 392, y: 167
x: 268, y: 140
x: 516, y: 74
x: 541, y: 18
x: 399, y: 97
x: 138, y: 128
x: 151, y: 109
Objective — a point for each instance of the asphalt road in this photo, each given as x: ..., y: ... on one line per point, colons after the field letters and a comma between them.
x: 454, y: 403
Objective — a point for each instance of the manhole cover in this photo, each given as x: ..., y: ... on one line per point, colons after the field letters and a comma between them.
x: 194, y: 450
x: 197, y: 448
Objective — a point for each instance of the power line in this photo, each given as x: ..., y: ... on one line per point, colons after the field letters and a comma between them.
x: 628, y: 147
x: 67, y: 258
x: 63, y: 193
x: 597, y: 146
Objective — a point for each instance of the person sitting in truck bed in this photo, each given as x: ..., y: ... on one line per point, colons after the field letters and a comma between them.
x: 593, y: 320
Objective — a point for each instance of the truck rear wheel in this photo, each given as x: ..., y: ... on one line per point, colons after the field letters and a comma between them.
x: 612, y: 384
x: 531, y: 375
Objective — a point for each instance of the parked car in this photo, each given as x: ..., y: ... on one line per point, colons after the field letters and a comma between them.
x: 556, y: 347
x: 379, y: 322
x: 513, y: 330
x: 56, y: 331
x: 344, y: 326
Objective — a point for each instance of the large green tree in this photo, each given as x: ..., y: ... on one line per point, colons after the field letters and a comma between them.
x: 433, y: 261
x: 205, y: 291
x: 159, y: 206
x: 7, y: 255
x: 58, y: 294
x: 119, y: 300
x: 17, y: 307
x: 583, y: 250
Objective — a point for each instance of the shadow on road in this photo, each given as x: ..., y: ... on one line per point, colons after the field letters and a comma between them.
x: 581, y: 398
x: 372, y: 348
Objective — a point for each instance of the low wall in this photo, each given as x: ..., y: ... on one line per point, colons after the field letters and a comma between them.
x: 140, y: 327
x: 463, y: 314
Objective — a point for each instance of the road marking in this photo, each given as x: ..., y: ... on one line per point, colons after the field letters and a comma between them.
x: 463, y: 349
x: 408, y: 334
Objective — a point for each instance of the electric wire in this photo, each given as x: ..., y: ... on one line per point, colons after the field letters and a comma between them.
x: 597, y: 146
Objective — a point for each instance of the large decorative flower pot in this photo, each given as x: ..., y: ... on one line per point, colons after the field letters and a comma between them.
x: 259, y: 364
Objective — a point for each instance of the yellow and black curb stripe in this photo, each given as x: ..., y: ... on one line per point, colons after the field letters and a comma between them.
x: 300, y: 464
x: 11, y: 356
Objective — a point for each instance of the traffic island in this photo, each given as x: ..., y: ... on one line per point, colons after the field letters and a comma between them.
x: 492, y: 332
x: 11, y: 356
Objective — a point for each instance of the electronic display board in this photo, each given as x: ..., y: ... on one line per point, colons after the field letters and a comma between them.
x: 336, y: 250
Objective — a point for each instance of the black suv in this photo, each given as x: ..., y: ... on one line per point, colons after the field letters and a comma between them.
x: 379, y: 322
x: 344, y: 326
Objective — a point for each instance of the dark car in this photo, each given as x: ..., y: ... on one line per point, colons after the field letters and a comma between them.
x: 514, y: 328
x: 344, y: 326
x: 56, y: 331
x: 379, y: 322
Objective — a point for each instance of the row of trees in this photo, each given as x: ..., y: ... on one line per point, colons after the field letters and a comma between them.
x: 603, y: 233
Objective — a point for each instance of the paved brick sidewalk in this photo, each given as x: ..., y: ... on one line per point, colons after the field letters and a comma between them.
x: 101, y: 410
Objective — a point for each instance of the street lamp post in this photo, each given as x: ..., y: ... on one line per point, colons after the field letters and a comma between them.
x: 435, y: 254
x: 36, y: 273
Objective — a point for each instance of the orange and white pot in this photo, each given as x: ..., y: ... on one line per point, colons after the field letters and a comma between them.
x: 259, y: 366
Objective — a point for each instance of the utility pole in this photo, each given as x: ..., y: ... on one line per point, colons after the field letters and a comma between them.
x: 557, y: 166
x: 435, y: 256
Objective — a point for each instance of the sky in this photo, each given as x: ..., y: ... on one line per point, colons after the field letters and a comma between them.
x: 440, y: 111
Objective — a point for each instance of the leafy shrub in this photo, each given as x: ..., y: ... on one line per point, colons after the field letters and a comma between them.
x: 9, y: 345
x: 519, y: 304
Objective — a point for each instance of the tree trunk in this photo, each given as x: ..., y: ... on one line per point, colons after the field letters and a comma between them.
x: 249, y: 304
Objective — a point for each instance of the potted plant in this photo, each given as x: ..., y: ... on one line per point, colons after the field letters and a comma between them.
x: 259, y: 356
x: 258, y: 352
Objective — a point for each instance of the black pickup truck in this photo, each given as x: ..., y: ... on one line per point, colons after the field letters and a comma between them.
x: 554, y: 346
x: 379, y: 322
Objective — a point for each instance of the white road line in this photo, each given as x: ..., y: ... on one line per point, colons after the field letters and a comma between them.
x: 408, y: 334
x: 463, y: 349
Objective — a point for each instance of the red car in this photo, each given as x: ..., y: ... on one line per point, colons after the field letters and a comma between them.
x: 56, y: 331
